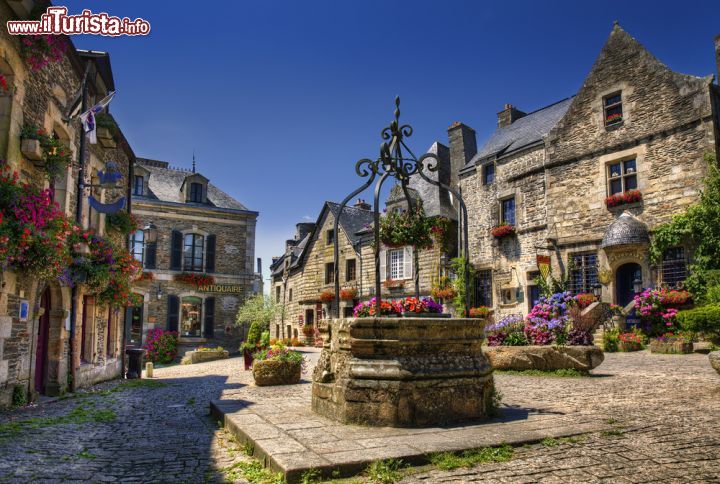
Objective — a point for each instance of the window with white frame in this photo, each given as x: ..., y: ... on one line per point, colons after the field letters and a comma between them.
x: 137, y: 245
x: 396, y: 259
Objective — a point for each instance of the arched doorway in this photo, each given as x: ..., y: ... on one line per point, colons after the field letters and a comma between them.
x: 624, y: 277
x: 43, y: 337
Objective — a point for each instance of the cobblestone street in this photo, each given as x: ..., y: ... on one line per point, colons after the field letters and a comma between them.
x: 664, y: 408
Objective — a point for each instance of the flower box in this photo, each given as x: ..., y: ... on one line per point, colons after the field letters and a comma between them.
x: 275, y: 372
x: 201, y: 356
x: 409, y: 314
x: 544, y: 358
x: 628, y: 346
x: 327, y: 297
x: 619, y: 199
x: 672, y: 347
x: 504, y: 230
x: 348, y: 294
x: 31, y: 149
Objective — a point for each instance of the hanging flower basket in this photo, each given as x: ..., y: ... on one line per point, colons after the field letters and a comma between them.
x: 479, y: 312
x: 327, y: 297
x: 503, y: 230
x: 122, y: 221
x: 401, y: 228
x: 443, y: 289
x: 630, y: 196
x: 41, y: 50
x: 194, y: 278
x: 393, y: 284
x: 348, y: 294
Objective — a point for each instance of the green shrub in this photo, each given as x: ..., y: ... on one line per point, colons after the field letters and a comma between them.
x: 713, y: 294
x: 610, y: 341
x: 704, y: 319
x: 265, y: 339
x: 19, y: 396
x: 253, y: 338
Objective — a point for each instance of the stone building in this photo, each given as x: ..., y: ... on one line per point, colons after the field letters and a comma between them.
x: 54, y: 337
x: 585, y: 181
x: 201, y: 232
x: 306, y: 269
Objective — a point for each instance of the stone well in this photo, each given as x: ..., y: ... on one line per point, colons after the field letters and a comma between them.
x: 402, y: 372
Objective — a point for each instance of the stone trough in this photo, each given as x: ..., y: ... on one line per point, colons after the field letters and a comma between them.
x: 544, y: 358
x: 715, y: 360
x: 402, y: 372
x: 192, y: 357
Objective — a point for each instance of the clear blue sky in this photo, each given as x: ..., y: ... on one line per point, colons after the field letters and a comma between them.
x: 280, y: 98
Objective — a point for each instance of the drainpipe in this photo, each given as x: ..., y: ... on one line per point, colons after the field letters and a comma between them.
x: 128, y: 196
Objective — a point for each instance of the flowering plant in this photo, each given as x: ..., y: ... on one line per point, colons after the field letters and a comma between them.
x: 281, y: 353
x: 509, y: 331
x: 122, y: 221
x: 502, y: 230
x: 419, y: 306
x: 653, y: 306
x: 553, y: 307
x: 308, y: 329
x: 541, y: 331
x: 161, y: 346
x: 195, y: 278
x: 56, y: 156
x: 613, y: 118
x: 348, y: 294
x: 327, y: 296
x: 630, y: 196
x: 367, y: 308
x: 443, y: 289
x: 479, y: 312
x: 408, y: 227
x: 146, y: 276
x: 3, y: 84
x: 393, y: 283
x: 633, y: 338
x: 685, y: 337
x: 41, y: 50
x: 585, y: 299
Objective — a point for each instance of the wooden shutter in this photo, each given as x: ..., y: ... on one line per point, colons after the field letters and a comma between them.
x: 151, y: 255
x: 210, y: 254
x: 176, y: 248
x: 173, y: 313
x: 408, y: 261
x: 383, y: 264
x: 209, y: 323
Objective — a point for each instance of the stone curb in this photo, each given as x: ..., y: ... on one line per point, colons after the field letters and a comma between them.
x: 275, y: 449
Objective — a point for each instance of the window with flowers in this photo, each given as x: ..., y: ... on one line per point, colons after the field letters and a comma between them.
x: 612, y: 107
x: 622, y: 177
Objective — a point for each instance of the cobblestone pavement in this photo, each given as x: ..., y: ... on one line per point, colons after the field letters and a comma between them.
x: 666, y: 410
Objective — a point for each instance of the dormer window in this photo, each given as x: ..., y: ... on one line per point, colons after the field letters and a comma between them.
x: 195, y: 194
x: 138, y: 185
x: 612, y: 108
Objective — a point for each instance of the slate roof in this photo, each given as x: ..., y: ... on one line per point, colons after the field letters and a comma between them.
x: 525, y: 131
x: 625, y: 230
x: 294, y: 254
x: 436, y: 201
x: 165, y: 185
x: 353, y: 220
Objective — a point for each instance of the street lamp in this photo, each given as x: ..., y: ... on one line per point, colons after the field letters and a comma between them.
x: 159, y: 292
x: 637, y: 285
x: 151, y: 233
x: 597, y: 291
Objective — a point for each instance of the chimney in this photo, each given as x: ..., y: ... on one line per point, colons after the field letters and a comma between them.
x: 275, y: 259
x: 717, y: 56
x: 509, y: 115
x: 290, y: 243
x: 362, y: 204
x: 259, y: 265
x: 302, y: 229
x: 463, y: 146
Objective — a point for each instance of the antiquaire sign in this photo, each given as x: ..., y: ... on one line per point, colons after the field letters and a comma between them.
x: 222, y: 288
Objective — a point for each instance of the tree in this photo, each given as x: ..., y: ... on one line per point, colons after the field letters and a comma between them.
x: 258, y: 309
x: 698, y: 227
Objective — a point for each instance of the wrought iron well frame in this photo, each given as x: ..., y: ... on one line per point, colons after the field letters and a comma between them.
x: 394, y: 162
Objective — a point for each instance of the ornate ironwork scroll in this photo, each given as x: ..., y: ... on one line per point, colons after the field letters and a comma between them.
x: 397, y: 160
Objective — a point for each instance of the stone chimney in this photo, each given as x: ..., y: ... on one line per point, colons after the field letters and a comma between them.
x: 717, y: 56
x: 302, y: 229
x: 275, y: 259
x: 290, y: 243
x: 463, y: 146
x: 362, y: 204
x: 509, y: 115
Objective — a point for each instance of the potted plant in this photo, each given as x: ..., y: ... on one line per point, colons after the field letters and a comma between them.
x: 251, y: 344
x: 672, y: 343
x: 503, y: 230
x: 348, y: 294
x: 327, y: 297
x: 443, y: 289
x: 426, y: 307
x: 30, y: 145
x: 394, y: 284
x: 368, y: 309
x: 585, y: 299
x: 481, y: 312
x: 630, y: 196
x: 277, y: 365
x: 630, y: 341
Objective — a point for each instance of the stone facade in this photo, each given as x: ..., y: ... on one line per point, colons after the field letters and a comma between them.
x: 559, y: 181
x: 225, y: 233
x: 42, y: 98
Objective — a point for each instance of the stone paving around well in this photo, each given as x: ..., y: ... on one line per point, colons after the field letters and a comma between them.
x: 665, y: 412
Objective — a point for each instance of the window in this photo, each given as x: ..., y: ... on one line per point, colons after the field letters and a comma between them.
x: 622, y: 176
x: 290, y: 295
x: 397, y: 264
x: 508, y: 211
x: 329, y: 273
x: 488, y: 174
x: 350, y: 270
x: 277, y: 293
x: 483, y: 288
x: 190, y: 312
x: 612, y: 105
x: 193, y: 252
x: 330, y: 237
x: 137, y: 245
x: 138, y: 185
x: 196, y: 193
x: 583, y: 272
x: 674, y: 267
